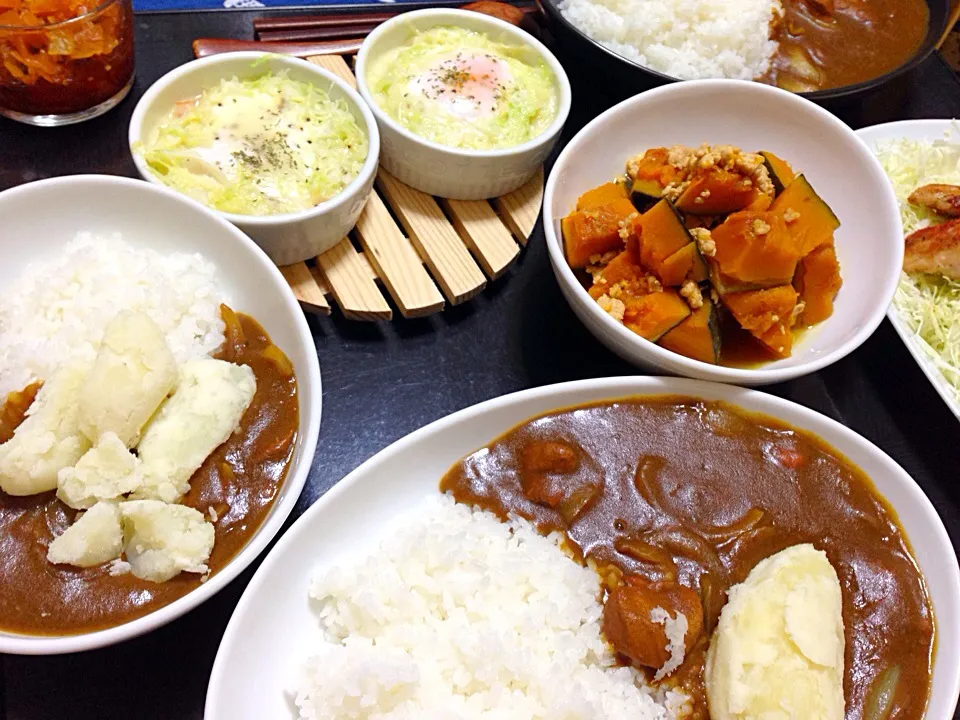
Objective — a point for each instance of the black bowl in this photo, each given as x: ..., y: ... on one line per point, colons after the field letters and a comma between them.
x: 573, y: 46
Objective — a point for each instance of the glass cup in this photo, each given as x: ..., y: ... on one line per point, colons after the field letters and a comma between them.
x: 64, y: 72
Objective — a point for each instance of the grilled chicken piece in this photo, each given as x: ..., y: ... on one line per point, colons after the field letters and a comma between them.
x: 942, y: 199
x: 934, y: 249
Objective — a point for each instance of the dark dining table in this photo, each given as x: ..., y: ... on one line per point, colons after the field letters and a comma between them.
x: 383, y: 380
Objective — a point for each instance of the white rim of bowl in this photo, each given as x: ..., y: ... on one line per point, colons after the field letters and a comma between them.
x: 369, y: 167
x: 19, y: 644
x: 453, y: 17
x: 663, y: 357
x: 612, y: 388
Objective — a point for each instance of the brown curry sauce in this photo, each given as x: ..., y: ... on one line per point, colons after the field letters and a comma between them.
x: 239, y: 481
x: 717, y: 490
x: 847, y: 41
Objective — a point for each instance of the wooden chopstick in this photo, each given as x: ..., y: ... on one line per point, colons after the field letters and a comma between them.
x: 331, y: 32
x: 299, y: 22
x: 203, y: 47
x: 302, y: 22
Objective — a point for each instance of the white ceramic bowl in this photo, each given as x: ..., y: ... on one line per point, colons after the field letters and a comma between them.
x: 755, y: 117
x: 274, y: 629
x: 446, y: 171
x: 290, y: 237
x: 50, y: 213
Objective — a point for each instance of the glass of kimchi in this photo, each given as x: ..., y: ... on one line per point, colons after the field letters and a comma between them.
x: 64, y: 61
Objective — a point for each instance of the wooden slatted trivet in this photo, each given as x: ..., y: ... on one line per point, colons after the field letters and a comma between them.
x: 441, y: 249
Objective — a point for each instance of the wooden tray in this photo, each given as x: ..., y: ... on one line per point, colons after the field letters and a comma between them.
x: 460, y: 243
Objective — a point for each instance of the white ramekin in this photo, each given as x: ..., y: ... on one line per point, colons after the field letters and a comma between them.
x: 447, y: 171
x: 290, y: 237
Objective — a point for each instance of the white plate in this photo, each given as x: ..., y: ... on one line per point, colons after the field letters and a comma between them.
x: 916, y: 130
x: 39, y: 218
x: 755, y: 117
x: 273, y: 630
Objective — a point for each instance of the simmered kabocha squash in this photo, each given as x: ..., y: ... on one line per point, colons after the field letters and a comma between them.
x: 663, y: 234
x: 621, y: 272
x: 698, y: 336
x: 605, y: 194
x: 645, y: 193
x: 685, y: 264
x: 717, y: 192
x: 653, y: 165
x: 809, y: 219
x: 781, y: 174
x: 707, y: 252
x: 761, y: 201
x: 818, y: 281
x: 766, y: 314
x: 652, y: 316
x: 753, y: 250
x: 778, y: 340
x: 594, y: 232
x: 649, y: 174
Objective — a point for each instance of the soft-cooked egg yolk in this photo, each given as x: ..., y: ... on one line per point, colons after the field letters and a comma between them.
x: 469, y: 85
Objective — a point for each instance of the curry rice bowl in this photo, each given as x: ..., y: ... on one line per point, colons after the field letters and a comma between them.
x: 686, y: 39
x: 56, y: 311
x: 460, y: 615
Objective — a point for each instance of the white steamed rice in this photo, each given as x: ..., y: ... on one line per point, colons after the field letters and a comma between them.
x: 458, y: 616
x: 687, y: 39
x: 55, y: 313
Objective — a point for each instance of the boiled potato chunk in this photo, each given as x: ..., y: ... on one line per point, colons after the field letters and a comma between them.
x: 92, y: 540
x: 48, y: 440
x: 132, y: 374
x: 105, y: 472
x: 162, y: 540
x: 777, y: 652
x: 204, y: 411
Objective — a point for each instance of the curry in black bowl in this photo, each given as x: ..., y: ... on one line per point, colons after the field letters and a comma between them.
x: 823, y: 49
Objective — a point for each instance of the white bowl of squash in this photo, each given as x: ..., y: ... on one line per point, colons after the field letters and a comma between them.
x: 738, y: 266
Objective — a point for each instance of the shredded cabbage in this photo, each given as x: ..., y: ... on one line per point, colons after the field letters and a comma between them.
x: 929, y: 305
x: 527, y: 101
x: 261, y: 146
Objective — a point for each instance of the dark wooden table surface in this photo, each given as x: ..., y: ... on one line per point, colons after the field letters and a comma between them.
x: 383, y: 381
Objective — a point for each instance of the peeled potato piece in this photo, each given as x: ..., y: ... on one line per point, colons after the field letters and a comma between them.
x: 204, y: 411
x: 105, y: 472
x: 161, y: 540
x: 133, y: 372
x: 48, y: 440
x: 778, y: 648
x: 92, y: 540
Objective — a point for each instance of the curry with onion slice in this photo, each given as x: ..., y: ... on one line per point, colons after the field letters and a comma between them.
x: 683, y: 498
x: 831, y: 43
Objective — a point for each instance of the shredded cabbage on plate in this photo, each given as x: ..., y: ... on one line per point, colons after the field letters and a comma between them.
x: 929, y: 305
x: 259, y: 146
